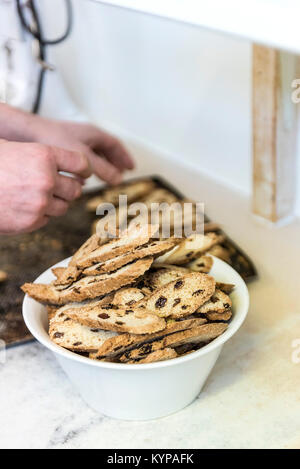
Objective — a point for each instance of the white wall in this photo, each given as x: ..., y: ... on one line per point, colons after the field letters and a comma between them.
x: 184, y: 90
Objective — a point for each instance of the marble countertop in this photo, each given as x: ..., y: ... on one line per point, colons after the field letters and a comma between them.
x: 252, y: 397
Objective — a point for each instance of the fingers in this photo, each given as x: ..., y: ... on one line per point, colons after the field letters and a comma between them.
x: 67, y: 188
x: 113, y: 150
x: 56, y: 207
x: 104, y: 169
x: 75, y: 162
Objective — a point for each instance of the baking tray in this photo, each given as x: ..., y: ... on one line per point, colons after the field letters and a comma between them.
x: 25, y: 256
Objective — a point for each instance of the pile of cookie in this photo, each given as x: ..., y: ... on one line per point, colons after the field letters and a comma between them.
x: 136, y: 299
x: 151, y: 191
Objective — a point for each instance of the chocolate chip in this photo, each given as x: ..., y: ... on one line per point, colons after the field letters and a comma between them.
x: 197, y: 292
x: 201, y: 264
x: 129, y: 311
x: 61, y: 315
x: 160, y: 303
x: 214, y: 299
x: 58, y: 335
x: 67, y: 319
x: 226, y: 305
x: 95, y: 330
x: 77, y: 344
x: 178, y: 284
x: 103, y: 316
x: 176, y: 302
x: 184, y: 306
x: 131, y: 302
x: 119, y: 323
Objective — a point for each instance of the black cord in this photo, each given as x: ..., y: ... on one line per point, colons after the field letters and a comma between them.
x: 37, y: 34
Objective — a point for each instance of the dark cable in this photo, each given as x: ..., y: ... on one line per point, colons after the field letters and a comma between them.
x: 38, y: 35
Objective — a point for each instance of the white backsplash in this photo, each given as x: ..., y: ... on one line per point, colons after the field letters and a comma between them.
x: 184, y: 90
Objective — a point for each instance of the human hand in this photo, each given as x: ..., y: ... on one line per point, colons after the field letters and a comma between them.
x: 31, y: 188
x: 107, y: 156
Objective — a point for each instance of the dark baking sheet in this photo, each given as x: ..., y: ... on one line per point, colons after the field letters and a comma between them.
x: 24, y: 257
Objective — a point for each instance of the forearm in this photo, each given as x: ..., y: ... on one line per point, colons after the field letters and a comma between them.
x: 17, y: 125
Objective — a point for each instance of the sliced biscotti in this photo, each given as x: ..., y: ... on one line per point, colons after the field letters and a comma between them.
x: 201, y: 264
x: 125, y: 342
x: 130, y: 240
x: 221, y: 253
x: 66, y: 275
x: 191, y: 248
x: 88, y: 287
x: 158, y: 356
x: 204, y: 333
x: 51, y: 312
x: 115, y: 318
x: 71, y: 335
x: 160, y: 276
x: 153, y: 248
x: 90, y: 245
x: 133, y: 191
x: 218, y: 303
x: 214, y: 317
x: 182, y: 296
x: 128, y: 296
x: 225, y: 287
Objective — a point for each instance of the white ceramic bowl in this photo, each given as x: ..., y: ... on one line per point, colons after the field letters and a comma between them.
x: 141, y: 392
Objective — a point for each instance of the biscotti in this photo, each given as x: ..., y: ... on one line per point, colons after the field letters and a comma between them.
x: 72, y: 335
x: 133, y: 190
x: 88, y: 287
x: 204, y: 333
x: 115, y: 318
x: 182, y: 296
x: 125, y: 342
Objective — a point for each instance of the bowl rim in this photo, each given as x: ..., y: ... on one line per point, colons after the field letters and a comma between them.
x: 235, y: 324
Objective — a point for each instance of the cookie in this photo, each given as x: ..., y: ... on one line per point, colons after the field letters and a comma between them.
x: 204, y: 334
x: 221, y: 253
x: 153, y: 248
x: 88, y: 287
x: 130, y: 240
x: 191, y: 248
x: 128, y: 296
x: 158, y: 356
x: 181, y: 297
x: 73, y: 336
x: 125, y: 342
x: 51, y: 312
x: 115, y: 318
x: 90, y: 245
x: 218, y: 303
x: 225, y: 287
x: 226, y: 316
x: 133, y: 190
x: 201, y: 264
x: 65, y: 275
x: 159, y: 196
